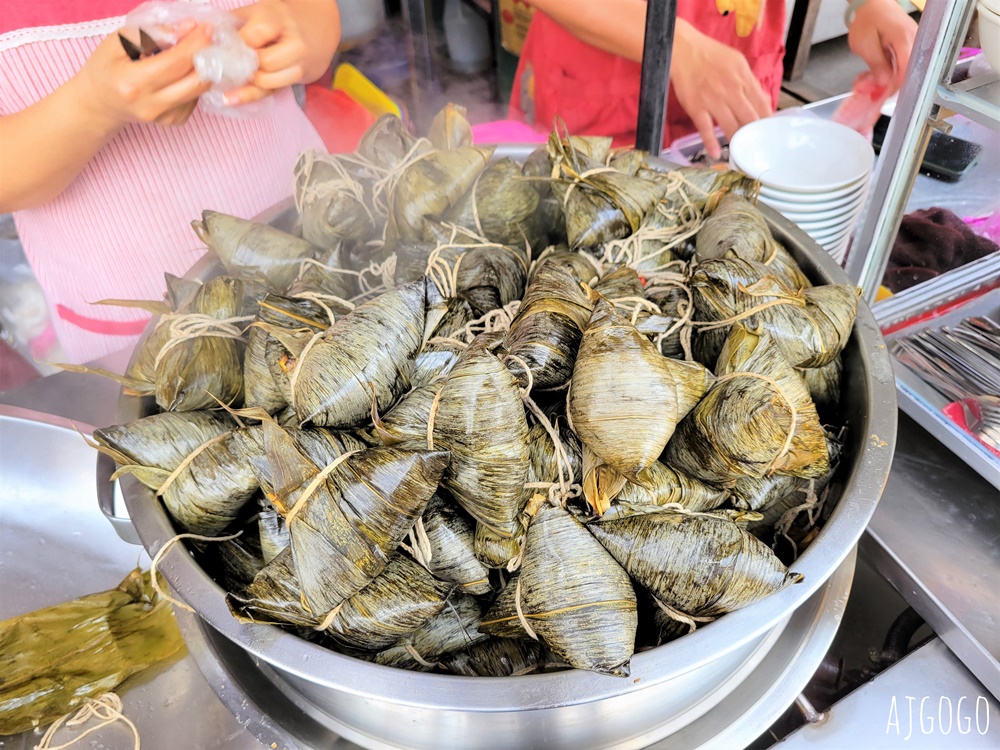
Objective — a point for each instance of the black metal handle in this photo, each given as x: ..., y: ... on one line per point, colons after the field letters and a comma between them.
x: 661, y: 16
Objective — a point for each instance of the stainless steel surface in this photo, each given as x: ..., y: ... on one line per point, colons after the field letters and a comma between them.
x: 734, y: 721
x: 977, y: 98
x: 927, y: 701
x: 923, y: 403
x: 658, y: 44
x: 55, y: 546
x: 508, y: 712
x: 936, y: 537
x: 60, y: 393
x: 935, y: 50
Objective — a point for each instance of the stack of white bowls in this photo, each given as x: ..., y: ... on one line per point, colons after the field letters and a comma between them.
x: 814, y: 172
x: 989, y: 31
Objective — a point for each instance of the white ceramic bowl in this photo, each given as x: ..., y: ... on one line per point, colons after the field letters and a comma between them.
x: 802, y: 154
x: 839, y: 251
x: 792, y: 209
x: 826, y: 226
x: 989, y: 32
x: 991, y: 5
x: 810, y: 198
x: 828, y: 238
x: 816, y: 217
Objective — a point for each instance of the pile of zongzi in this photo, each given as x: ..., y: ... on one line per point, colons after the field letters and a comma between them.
x: 486, y: 418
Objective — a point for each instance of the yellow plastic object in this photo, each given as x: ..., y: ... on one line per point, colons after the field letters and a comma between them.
x: 882, y: 293
x: 353, y: 82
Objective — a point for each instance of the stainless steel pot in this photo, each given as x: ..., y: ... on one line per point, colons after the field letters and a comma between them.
x: 670, y: 686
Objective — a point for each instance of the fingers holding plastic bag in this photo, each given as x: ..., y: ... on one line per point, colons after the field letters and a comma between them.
x: 225, y: 65
x: 272, y: 31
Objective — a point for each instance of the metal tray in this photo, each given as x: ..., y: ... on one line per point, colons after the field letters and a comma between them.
x: 919, y: 400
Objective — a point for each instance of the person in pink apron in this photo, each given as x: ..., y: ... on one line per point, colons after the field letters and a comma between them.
x: 581, y: 62
x: 102, y: 188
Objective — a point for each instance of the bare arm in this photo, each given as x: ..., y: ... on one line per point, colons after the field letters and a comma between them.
x: 44, y: 147
x: 616, y: 26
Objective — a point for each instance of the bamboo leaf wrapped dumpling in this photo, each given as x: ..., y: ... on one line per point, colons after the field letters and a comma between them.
x: 387, y: 142
x: 547, y: 329
x: 810, y: 326
x: 479, y: 418
x: 447, y: 539
x: 400, y: 600
x: 772, y: 496
x: 333, y: 195
x: 450, y: 128
x: 626, y: 398
x: 249, y: 249
x: 191, y: 460
x: 701, y: 188
x: 824, y: 385
x: 604, y: 205
x: 495, y: 657
x: 574, y: 597
x: 320, y: 446
x: 543, y: 468
x: 500, y: 205
x: 662, y: 485
x: 274, y: 596
x: 431, y: 184
x: 736, y: 229
x: 700, y: 564
x: 195, y: 356
x: 757, y: 419
x: 456, y: 628
x: 372, y: 347
x: 260, y: 387
x: 343, y: 525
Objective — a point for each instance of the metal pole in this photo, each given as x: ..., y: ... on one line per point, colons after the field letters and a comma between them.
x: 659, y: 41
x: 423, y: 82
x: 935, y: 49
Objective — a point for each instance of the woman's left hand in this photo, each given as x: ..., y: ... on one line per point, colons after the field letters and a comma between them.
x: 270, y: 28
x: 882, y: 35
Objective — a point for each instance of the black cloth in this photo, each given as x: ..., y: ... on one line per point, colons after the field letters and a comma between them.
x: 931, y: 242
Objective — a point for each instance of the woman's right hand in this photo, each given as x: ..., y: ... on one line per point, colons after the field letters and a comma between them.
x: 714, y: 84
x: 164, y: 88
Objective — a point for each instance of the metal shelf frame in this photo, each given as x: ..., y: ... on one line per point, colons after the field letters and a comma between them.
x: 943, y: 28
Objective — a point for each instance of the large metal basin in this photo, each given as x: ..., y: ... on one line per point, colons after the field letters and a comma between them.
x: 669, y: 687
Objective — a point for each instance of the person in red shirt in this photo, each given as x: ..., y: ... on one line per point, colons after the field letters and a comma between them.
x: 581, y: 62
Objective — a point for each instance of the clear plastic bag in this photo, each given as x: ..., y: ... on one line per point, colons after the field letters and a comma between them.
x: 227, y: 64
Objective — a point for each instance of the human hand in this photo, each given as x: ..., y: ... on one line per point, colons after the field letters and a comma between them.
x: 271, y: 29
x: 882, y: 35
x: 164, y: 88
x: 714, y: 84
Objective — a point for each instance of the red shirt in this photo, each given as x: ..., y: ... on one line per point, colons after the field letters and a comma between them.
x: 597, y: 93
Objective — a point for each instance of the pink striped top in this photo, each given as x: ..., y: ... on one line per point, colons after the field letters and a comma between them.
x: 126, y: 219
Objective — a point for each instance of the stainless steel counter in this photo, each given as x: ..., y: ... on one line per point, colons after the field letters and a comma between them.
x: 936, y: 538
x: 56, y: 546
x: 927, y: 701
